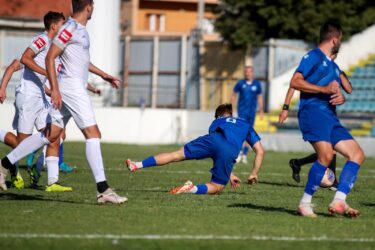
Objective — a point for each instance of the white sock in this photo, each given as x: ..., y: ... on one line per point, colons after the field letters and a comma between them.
x: 139, y: 164
x: 94, y: 158
x: 193, y: 190
x: 52, y: 169
x: 340, y: 195
x: 3, y: 133
x: 306, y: 198
x: 27, y: 146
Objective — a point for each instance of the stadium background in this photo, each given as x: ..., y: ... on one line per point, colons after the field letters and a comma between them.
x: 176, y: 70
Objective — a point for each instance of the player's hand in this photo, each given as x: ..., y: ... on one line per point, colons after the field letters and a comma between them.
x: 261, y: 115
x: 332, y: 88
x: 114, y: 81
x: 337, y: 98
x: 235, y: 181
x: 98, y: 92
x: 47, y: 91
x: 283, y: 116
x: 3, y: 95
x: 56, y: 99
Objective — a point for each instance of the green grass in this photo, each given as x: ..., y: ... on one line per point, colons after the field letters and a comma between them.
x: 266, y: 209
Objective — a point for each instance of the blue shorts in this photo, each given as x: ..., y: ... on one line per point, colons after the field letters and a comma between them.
x: 249, y: 119
x: 321, y: 125
x: 216, y: 147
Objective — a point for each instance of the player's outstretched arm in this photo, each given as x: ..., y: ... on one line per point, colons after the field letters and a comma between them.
x: 298, y: 83
x: 261, y: 105
x: 258, y: 160
x: 53, y: 52
x: 285, y: 111
x: 114, y: 81
x: 13, y: 67
x: 93, y: 90
x: 346, y: 84
x: 28, y: 60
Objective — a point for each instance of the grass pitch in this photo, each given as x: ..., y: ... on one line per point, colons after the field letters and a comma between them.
x: 256, y: 217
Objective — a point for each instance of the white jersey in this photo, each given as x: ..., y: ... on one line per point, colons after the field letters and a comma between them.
x: 32, y: 83
x: 74, y: 40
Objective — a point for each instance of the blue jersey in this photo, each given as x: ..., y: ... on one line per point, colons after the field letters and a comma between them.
x: 318, y: 69
x: 235, y: 131
x: 247, y: 101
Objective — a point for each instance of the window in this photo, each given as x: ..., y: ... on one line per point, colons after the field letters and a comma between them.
x: 156, y: 22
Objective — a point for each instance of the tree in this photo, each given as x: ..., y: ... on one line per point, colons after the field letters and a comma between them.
x: 251, y: 22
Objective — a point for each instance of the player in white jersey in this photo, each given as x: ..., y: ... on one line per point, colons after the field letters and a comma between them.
x: 32, y: 105
x: 70, y: 98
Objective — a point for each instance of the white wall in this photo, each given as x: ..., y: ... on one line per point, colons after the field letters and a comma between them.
x: 278, y: 89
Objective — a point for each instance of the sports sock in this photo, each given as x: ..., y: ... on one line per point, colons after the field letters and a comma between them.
x: 332, y: 165
x: 61, y: 152
x: 306, y: 198
x: 315, y: 176
x: 94, y: 158
x: 148, y: 162
x: 41, y: 161
x: 199, y: 189
x: 246, y: 150
x: 5, y: 162
x: 52, y: 169
x: 347, y: 179
x: 27, y: 146
x: 308, y: 159
x: 102, y: 186
x: 3, y: 133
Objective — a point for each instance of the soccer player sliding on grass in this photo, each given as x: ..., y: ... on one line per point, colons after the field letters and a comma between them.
x: 222, y: 144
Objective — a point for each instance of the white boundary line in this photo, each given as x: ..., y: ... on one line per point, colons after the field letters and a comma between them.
x: 180, y: 237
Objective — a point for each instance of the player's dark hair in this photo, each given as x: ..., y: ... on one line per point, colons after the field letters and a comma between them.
x: 79, y: 5
x: 52, y: 17
x: 223, y: 109
x: 329, y: 29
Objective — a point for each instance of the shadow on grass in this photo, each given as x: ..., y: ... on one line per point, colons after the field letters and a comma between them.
x: 280, y: 184
x: 270, y: 209
x: 369, y: 204
x: 37, y: 197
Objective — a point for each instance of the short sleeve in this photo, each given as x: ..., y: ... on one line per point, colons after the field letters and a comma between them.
x: 237, y: 87
x: 65, y: 35
x: 38, y: 44
x: 252, y: 137
x: 259, y: 89
x: 307, y: 63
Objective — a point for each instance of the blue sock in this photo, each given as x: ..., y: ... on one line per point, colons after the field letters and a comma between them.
x: 149, y: 162
x: 202, y: 189
x: 316, y: 174
x: 245, y: 150
x: 348, y: 177
x: 61, y: 154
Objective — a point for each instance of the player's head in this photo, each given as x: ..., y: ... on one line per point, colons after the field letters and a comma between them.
x: 224, y: 110
x: 331, y: 33
x: 249, y: 70
x: 83, y: 6
x: 53, y: 21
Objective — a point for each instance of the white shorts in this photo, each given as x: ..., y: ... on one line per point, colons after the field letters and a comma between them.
x: 31, y: 111
x: 77, y: 104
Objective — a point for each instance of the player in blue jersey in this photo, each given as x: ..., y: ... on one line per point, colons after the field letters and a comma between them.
x: 250, y: 97
x: 296, y: 164
x: 318, y: 78
x: 222, y: 144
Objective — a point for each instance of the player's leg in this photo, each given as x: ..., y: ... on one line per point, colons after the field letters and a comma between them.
x: 296, y: 164
x: 245, y: 150
x: 324, y: 151
x: 63, y: 166
x: 354, y: 153
x: 190, y: 188
x: 157, y: 160
x: 8, y: 138
x: 259, y: 156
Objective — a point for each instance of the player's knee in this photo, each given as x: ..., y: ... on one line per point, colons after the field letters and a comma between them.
x: 325, y: 158
x: 218, y: 188
x: 357, y: 155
